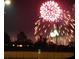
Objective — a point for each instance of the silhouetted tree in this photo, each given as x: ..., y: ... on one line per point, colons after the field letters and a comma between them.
x: 28, y: 41
x: 21, y: 37
x: 6, y: 38
x: 41, y: 43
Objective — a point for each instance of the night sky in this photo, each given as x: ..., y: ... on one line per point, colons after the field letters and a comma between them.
x: 21, y: 15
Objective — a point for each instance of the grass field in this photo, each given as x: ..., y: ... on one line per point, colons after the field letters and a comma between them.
x: 36, y: 55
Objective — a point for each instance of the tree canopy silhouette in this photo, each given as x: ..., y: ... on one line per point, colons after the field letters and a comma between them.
x: 21, y: 37
x: 6, y: 38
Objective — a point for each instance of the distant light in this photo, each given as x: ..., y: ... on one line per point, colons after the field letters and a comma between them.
x: 39, y: 51
x: 27, y: 45
x: 7, y: 2
x: 19, y: 45
x: 13, y: 45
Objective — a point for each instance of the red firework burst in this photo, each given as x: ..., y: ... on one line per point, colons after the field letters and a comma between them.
x: 50, y: 11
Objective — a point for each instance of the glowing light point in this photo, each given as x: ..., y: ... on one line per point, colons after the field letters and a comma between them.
x: 13, y: 45
x: 7, y: 2
x: 20, y: 45
x: 54, y: 33
x: 39, y: 51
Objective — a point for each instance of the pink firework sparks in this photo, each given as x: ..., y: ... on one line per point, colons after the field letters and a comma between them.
x: 50, y: 11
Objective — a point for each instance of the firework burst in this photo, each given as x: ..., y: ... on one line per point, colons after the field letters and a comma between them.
x: 50, y: 11
x: 52, y: 19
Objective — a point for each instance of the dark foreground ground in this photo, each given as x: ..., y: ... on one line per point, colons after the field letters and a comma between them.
x: 38, y: 55
x: 38, y: 52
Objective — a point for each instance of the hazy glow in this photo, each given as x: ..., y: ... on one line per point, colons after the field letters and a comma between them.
x: 54, y: 33
x: 13, y: 45
x: 19, y: 45
x: 50, y: 11
x: 7, y: 2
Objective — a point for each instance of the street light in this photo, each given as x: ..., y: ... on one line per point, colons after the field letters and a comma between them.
x: 7, y: 2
